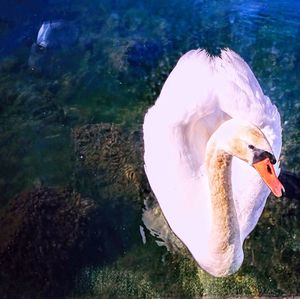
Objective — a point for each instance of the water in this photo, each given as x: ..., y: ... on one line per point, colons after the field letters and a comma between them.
x: 107, y: 64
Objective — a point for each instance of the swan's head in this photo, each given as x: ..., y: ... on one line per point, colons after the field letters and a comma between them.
x: 248, y: 143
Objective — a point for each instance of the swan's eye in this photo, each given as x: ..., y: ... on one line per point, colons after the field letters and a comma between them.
x: 251, y: 146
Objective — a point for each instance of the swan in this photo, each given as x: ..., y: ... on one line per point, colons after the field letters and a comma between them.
x: 211, y: 142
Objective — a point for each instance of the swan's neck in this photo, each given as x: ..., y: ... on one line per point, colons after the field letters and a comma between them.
x: 225, y: 234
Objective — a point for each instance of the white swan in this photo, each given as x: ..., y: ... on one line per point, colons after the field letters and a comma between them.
x: 209, y: 135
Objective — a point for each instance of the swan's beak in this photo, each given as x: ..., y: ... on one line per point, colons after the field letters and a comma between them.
x: 266, y: 170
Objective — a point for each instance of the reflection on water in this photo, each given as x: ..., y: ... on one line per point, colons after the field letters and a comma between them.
x: 106, y: 63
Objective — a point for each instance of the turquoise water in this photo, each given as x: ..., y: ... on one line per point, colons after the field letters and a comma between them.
x: 106, y: 64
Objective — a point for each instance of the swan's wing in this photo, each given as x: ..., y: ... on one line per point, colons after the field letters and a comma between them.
x: 188, y: 89
x: 189, y: 104
x: 171, y: 160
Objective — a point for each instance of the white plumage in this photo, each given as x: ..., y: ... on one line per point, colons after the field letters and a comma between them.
x: 200, y: 94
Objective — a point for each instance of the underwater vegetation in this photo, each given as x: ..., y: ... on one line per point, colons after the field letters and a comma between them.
x: 96, y: 247
x: 108, y: 160
x: 72, y: 186
x: 43, y: 235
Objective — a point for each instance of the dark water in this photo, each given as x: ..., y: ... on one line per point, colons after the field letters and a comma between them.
x: 106, y: 63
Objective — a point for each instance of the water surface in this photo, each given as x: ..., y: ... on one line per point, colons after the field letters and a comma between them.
x: 107, y: 64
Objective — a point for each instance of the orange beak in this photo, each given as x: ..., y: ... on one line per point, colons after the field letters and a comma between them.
x: 266, y: 170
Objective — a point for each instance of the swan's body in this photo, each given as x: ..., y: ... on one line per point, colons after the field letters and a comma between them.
x: 197, y: 138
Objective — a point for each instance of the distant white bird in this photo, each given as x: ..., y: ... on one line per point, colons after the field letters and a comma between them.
x: 45, y: 32
x: 211, y: 140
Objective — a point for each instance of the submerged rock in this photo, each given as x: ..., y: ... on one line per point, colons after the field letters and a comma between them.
x: 109, y: 165
x: 109, y: 169
x: 43, y: 234
x: 108, y: 160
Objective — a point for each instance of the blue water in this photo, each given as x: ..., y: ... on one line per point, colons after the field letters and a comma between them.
x: 107, y: 62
